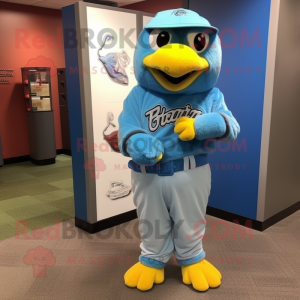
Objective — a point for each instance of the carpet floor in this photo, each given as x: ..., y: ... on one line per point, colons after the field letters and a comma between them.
x: 255, y: 265
x: 63, y: 262
x: 35, y: 196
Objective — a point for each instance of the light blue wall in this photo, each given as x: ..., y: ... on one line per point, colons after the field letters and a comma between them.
x: 236, y: 191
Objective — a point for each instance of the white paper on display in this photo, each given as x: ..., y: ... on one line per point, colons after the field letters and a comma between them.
x: 113, y: 186
x: 40, y: 89
x: 41, y: 104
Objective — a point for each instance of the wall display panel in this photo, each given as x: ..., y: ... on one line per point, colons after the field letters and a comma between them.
x: 112, y: 78
x: 99, y: 75
x: 105, y: 76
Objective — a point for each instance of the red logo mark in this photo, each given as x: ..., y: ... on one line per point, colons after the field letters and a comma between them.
x: 94, y: 165
x: 42, y: 61
x: 39, y: 258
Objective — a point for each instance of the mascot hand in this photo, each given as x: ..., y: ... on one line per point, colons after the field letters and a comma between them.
x: 184, y: 127
x: 145, y: 149
x: 143, y: 277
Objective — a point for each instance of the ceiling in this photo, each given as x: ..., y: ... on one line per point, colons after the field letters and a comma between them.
x: 58, y: 4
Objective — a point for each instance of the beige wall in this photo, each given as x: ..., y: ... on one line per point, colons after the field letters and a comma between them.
x: 283, y: 167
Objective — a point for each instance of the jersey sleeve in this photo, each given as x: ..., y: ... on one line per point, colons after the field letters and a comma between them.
x: 130, y: 119
x: 219, y: 123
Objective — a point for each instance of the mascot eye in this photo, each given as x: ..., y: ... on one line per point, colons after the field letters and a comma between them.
x: 198, y: 41
x: 159, y: 38
x: 163, y: 39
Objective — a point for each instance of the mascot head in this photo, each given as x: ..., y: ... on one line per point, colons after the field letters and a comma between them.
x: 178, y: 52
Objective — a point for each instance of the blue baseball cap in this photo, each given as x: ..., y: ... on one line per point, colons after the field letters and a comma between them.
x: 176, y: 18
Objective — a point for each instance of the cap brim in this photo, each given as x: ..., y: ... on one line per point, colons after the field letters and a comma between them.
x: 214, y: 29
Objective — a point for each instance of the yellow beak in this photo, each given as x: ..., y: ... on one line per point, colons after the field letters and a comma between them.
x: 175, y: 66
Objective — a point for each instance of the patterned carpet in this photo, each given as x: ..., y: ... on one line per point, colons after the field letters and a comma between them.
x: 35, y: 195
x: 257, y: 266
x: 64, y: 262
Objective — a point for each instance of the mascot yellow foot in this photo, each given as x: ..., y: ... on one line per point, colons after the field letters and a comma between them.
x: 202, y: 275
x: 143, y: 277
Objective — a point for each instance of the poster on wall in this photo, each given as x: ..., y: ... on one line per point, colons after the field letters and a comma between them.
x: 112, y: 79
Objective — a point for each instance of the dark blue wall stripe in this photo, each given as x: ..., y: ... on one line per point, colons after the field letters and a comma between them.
x: 236, y: 191
x: 74, y: 102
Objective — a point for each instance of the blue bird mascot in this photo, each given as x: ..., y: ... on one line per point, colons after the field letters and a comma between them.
x: 169, y: 124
